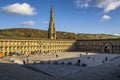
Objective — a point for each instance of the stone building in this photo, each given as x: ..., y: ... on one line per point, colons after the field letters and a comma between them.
x: 27, y: 46
x: 52, y: 45
x: 35, y: 46
x: 100, y: 45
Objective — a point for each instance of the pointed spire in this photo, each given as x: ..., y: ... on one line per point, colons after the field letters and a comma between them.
x: 51, y: 8
x: 51, y: 13
x: 51, y: 29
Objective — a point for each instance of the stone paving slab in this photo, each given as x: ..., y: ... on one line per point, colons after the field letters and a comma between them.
x: 68, y: 72
x: 61, y: 70
x: 58, y: 70
x: 108, y: 71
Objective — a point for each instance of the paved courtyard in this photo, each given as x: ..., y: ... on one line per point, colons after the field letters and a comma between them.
x: 60, y: 70
x: 91, y: 59
x: 44, y: 65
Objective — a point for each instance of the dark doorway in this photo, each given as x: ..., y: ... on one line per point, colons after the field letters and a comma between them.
x: 107, y: 49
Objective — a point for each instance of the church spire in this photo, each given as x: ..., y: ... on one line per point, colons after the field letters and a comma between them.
x: 51, y: 29
x: 51, y: 13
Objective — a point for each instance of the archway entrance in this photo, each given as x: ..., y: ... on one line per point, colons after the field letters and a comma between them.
x: 107, y: 49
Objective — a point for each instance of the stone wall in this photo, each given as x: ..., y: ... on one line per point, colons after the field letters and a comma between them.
x: 52, y: 46
x: 35, y: 46
x: 101, y: 46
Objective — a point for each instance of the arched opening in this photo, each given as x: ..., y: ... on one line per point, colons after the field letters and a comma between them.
x: 107, y: 49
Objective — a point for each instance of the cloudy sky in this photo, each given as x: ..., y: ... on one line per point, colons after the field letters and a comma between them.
x: 78, y: 16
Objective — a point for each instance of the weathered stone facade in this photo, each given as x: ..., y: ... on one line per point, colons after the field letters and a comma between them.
x: 51, y: 46
x: 35, y: 46
x: 101, y: 45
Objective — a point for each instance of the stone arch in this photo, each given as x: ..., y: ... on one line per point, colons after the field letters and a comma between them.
x: 107, y: 49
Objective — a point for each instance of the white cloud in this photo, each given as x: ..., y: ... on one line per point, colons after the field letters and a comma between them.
x: 21, y: 9
x: 106, y: 17
x: 107, y: 5
x: 82, y: 3
x: 28, y: 23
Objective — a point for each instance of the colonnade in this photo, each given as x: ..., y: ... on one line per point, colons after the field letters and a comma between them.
x: 35, y: 46
x: 101, y: 45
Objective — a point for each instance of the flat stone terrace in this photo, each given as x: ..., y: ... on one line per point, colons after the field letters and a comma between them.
x: 60, y: 70
x: 91, y: 59
x: 43, y: 67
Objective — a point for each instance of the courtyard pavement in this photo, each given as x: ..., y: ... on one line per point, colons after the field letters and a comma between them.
x: 97, y: 68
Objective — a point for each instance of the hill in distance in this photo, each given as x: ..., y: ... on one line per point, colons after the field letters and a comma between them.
x: 43, y: 34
